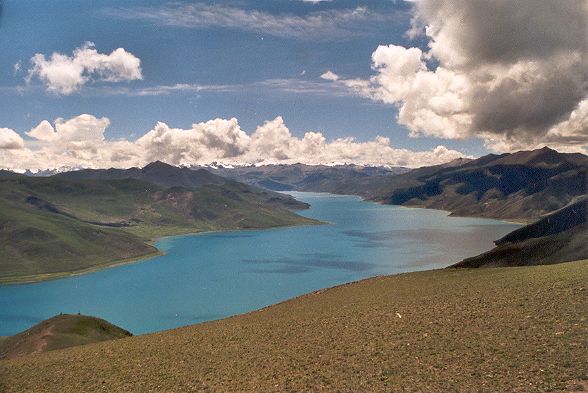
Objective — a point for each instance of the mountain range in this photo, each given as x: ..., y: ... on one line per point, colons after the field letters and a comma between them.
x: 520, y: 186
x: 80, y: 220
x: 523, y: 186
x: 337, y: 179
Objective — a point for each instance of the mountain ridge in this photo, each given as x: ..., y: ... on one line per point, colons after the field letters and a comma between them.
x: 524, y: 185
x: 561, y: 236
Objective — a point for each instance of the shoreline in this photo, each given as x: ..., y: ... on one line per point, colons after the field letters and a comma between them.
x: 37, y: 278
x: 518, y: 221
x: 320, y: 291
x: 380, y: 320
x: 42, y: 277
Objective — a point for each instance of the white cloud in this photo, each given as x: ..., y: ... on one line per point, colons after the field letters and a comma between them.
x: 43, y: 132
x: 16, y: 68
x: 79, y: 142
x: 78, y: 129
x: 267, y: 86
x: 62, y: 74
x: 316, y: 25
x: 330, y: 76
x: 214, y: 140
x: 10, y: 140
x: 512, y: 73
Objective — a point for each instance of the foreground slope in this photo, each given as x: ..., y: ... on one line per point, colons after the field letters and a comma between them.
x: 61, y: 331
x: 558, y: 237
x: 55, y: 225
x: 504, y: 329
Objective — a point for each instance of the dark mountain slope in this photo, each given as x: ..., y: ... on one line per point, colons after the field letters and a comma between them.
x: 169, y: 176
x: 5, y: 173
x: 61, y: 331
x: 561, y: 236
x: 520, y: 186
x: 523, y: 185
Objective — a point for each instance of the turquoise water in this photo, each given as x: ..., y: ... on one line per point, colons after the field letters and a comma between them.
x: 210, y: 276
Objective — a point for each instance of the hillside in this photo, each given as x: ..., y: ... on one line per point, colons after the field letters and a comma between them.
x: 55, y: 226
x: 61, y: 331
x: 558, y: 237
x: 338, y: 179
x: 500, y: 330
x: 522, y: 186
x: 37, y: 244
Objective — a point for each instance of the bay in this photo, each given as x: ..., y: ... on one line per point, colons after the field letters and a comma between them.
x: 209, y: 276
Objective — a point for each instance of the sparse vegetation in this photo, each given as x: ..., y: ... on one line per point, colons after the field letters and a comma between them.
x: 61, y: 331
x: 504, y: 329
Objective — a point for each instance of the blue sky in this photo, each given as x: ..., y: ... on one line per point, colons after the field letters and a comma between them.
x: 208, y: 55
x: 260, y: 61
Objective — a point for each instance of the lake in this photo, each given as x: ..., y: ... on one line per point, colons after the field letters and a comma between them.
x: 210, y: 276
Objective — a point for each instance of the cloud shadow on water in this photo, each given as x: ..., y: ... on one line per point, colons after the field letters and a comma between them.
x: 306, y: 262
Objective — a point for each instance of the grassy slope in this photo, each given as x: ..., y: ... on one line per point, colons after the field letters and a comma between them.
x: 61, y: 331
x: 505, y: 329
x: 37, y: 245
x: 75, y: 226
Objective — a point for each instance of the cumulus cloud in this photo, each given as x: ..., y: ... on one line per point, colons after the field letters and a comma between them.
x: 80, y: 142
x: 10, y: 140
x: 62, y: 74
x: 512, y: 72
x: 204, y: 143
x: 330, y: 76
x: 81, y: 128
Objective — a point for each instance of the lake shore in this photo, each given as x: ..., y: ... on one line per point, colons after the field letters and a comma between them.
x: 501, y: 329
x: 31, y: 279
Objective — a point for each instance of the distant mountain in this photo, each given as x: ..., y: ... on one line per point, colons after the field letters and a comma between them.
x: 339, y: 179
x: 519, y: 186
x: 524, y: 185
x: 61, y: 331
x: 5, y: 173
x: 58, y: 225
x: 561, y: 236
x: 157, y: 172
